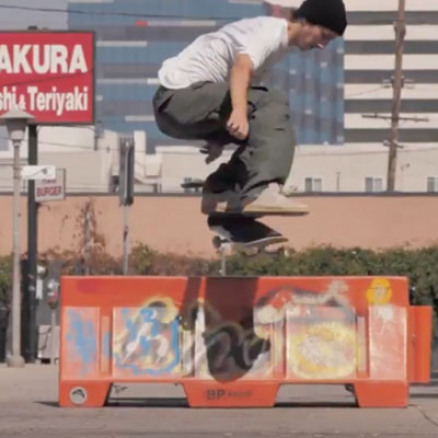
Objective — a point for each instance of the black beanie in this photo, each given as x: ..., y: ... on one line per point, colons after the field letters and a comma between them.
x: 327, y: 13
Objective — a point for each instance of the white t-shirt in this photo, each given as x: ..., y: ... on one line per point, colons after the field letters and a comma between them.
x: 210, y: 57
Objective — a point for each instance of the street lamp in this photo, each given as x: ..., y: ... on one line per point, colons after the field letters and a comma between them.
x: 16, y: 123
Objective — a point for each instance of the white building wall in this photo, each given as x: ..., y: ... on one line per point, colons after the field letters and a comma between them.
x: 346, y: 168
x: 86, y: 156
x: 338, y: 168
x: 341, y: 168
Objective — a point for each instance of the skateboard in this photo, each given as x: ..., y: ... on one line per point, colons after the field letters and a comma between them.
x: 244, y: 234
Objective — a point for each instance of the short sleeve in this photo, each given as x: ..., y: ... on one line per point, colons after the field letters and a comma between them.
x: 258, y: 38
x: 258, y: 50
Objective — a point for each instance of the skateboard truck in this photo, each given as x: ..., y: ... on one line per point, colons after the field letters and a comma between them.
x: 224, y: 248
x: 243, y: 234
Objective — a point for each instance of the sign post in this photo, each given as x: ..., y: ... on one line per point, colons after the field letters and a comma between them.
x: 126, y: 190
x: 30, y: 301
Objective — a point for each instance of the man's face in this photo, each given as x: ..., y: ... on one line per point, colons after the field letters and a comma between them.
x: 314, y: 37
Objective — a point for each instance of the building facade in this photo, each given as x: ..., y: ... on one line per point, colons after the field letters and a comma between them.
x: 369, y: 69
x: 339, y: 150
x: 135, y: 36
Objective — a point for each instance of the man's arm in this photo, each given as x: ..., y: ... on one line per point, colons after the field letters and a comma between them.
x: 240, y: 80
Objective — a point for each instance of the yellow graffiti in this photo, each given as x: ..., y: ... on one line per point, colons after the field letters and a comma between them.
x: 323, y: 351
x: 167, y: 313
x: 168, y: 310
x: 379, y: 292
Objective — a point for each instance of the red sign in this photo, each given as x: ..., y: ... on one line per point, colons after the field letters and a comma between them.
x: 49, y: 75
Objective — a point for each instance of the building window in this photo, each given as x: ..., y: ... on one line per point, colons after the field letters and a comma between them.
x: 373, y: 184
x: 432, y: 184
x: 313, y: 184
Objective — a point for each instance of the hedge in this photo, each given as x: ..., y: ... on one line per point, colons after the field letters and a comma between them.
x: 419, y: 265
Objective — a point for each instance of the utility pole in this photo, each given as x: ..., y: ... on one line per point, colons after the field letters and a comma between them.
x: 32, y: 250
x: 29, y: 295
x: 126, y: 190
x: 398, y: 82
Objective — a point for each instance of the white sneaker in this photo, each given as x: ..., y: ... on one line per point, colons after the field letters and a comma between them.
x: 272, y: 200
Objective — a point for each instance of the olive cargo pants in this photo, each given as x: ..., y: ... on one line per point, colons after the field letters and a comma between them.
x: 201, y: 111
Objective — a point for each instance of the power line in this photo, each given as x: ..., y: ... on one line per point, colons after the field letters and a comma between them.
x: 361, y: 93
x: 65, y: 145
x: 108, y: 13
x: 322, y: 154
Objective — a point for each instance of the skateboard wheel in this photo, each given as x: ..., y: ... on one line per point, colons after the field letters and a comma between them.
x: 273, y: 250
x: 251, y: 252
x: 78, y: 395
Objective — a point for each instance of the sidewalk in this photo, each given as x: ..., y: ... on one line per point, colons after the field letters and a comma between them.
x: 28, y: 408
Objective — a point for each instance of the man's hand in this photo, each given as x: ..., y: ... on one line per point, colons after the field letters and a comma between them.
x: 238, y: 125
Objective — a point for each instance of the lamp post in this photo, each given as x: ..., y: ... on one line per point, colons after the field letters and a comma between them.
x: 16, y: 123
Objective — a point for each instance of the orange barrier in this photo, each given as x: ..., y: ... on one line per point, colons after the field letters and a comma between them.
x: 234, y: 341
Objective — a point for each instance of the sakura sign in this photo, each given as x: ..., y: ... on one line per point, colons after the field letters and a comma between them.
x: 48, y: 74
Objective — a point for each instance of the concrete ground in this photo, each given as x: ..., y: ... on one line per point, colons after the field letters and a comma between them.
x: 28, y: 408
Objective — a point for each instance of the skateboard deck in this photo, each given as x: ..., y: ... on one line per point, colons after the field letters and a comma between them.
x: 243, y: 233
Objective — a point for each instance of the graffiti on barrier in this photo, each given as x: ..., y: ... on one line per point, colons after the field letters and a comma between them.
x: 322, y: 351
x: 82, y: 338
x: 146, y: 339
x: 312, y: 330
x: 309, y: 334
x: 229, y: 350
x: 379, y: 292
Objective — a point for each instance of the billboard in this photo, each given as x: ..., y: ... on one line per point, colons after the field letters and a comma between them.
x: 49, y: 75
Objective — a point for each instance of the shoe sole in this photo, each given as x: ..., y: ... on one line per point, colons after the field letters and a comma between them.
x: 215, y: 208
x: 256, y: 212
x: 276, y: 211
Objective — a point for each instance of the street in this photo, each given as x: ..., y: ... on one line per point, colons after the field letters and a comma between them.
x: 28, y: 408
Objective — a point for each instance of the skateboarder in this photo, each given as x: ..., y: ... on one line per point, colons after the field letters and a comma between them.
x: 213, y: 91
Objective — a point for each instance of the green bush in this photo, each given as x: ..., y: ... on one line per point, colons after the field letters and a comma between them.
x: 419, y: 265
x: 5, y: 280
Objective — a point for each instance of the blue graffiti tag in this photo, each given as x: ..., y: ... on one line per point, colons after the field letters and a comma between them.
x: 82, y: 336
